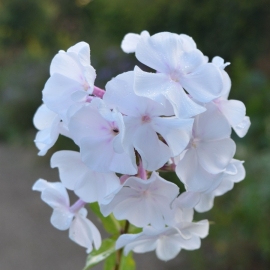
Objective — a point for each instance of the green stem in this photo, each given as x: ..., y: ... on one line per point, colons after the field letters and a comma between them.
x: 120, y: 251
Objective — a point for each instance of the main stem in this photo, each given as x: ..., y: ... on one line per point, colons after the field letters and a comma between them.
x: 120, y: 251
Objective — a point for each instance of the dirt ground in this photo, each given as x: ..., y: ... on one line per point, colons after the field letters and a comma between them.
x: 27, y: 239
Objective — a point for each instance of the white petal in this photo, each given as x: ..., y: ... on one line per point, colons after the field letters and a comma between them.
x: 46, y: 138
x: 214, y: 156
x: 61, y: 218
x: 241, y: 172
x: 43, y: 117
x: 158, y: 86
x: 190, y: 244
x: 211, y: 125
x: 96, y: 186
x: 224, y: 187
x: 200, y: 228
x: 234, y: 110
x: 190, y: 60
x: 129, y: 43
x: 151, y: 85
x: 153, y: 152
x: 175, y: 131
x: 187, y: 42
x: 160, y: 51
x: 188, y: 199
x: 204, y: 83
x: 167, y: 248
x: 84, y: 233
x: 56, y: 196
x: 82, y: 49
x: 206, y: 203
x: 241, y: 129
x: 192, y: 174
x: 65, y: 64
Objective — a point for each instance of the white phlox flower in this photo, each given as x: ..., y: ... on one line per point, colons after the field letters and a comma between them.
x: 130, y: 41
x: 50, y: 126
x: 167, y: 242
x: 143, y: 202
x: 204, y: 201
x: 72, y: 79
x: 99, y: 132
x: 81, y: 230
x: 230, y: 176
x: 209, y: 152
x: 143, y: 119
x: 239, y: 122
x: 89, y: 185
x: 233, y: 110
x: 179, y: 66
x: 177, y: 118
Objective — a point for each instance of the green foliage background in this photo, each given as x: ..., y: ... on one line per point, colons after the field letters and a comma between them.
x: 31, y: 33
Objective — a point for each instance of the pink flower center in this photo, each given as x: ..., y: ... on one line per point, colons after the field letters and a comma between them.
x: 85, y: 85
x: 146, y: 119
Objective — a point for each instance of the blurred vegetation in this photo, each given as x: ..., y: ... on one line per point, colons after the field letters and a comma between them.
x: 31, y: 33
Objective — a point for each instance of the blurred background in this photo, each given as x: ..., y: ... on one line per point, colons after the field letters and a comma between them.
x: 32, y: 32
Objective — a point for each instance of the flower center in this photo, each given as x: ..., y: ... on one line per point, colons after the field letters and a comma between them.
x: 193, y: 143
x: 146, y: 119
x: 86, y: 86
x: 115, y: 131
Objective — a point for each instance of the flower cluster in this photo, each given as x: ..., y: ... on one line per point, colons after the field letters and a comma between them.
x: 176, y: 118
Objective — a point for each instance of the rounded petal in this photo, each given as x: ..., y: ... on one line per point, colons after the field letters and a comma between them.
x: 188, y: 199
x: 187, y: 42
x: 65, y: 64
x: 160, y: 51
x: 61, y: 218
x: 224, y: 187
x: 233, y: 110
x: 241, y: 172
x: 214, y: 156
x: 206, y: 203
x: 71, y: 168
x: 129, y: 43
x: 190, y: 244
x: 151, y: 85
x: 190, y: 60
x: 84, y: 233
x: 43, y: 117
x: 153, y: 152
x: 192, y: 174
x: 204, y: 83
x: 211, y: 125
x: 81, y: 49
x: 167, y: 248
x: 175, y: 131
x: 158, y: 87
x: 241, y: 129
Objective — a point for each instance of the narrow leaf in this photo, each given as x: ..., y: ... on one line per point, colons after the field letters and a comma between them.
x: 127, y: 262
x: 96, y: 256
x: 109, y: 263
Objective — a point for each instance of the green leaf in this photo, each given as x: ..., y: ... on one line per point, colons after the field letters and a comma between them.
x: 109, y: 263
x: 127, y: 262
x: 96, y: 256
x: 110, y: 224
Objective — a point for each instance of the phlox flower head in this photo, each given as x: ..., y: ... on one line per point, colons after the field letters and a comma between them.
x: 72, y: 79
x: 143, y: 202
x: 81, y: 230
x: 179, y: 65
x: 167, y: 242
